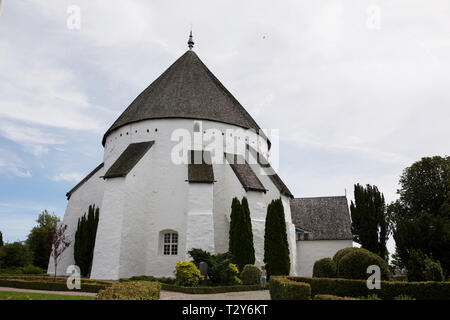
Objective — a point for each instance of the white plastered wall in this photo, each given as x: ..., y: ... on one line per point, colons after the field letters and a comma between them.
x: 89, y: 193
x: 155, y: 196
x: 309, y: 251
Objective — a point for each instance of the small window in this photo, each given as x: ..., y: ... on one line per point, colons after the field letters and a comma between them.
x: 196, y: 127
x: 170, y: 244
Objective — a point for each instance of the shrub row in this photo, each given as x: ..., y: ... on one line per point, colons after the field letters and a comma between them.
x: 208, y: 290
x: 389, y: 289
x: 167, y: 280
x: 134, y: 290
x: 331, y: 297
x: 282, y: 288
x: 30, y: 269
x: 50, y: 285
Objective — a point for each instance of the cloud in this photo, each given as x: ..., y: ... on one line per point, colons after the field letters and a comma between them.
x: 73, y: 176
x: 11, y: 163
x: 33, y: 139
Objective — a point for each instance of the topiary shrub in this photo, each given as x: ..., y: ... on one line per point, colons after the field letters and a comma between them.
x: 339, y: 254
x: 276, y: 246
x: 353, y: 265
x: 250, y: 275
x: 187, y: 274
x: 139, y: 290
x: 324, y: 268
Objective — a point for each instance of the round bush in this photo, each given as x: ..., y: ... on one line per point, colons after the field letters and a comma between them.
x: 250, y: 274
x: 353, y: 265
x: 324, y: 268
x: 338, y: 255
x: 187, y: 274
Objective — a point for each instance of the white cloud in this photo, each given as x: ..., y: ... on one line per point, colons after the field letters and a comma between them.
x: 11, y: 163
x: 72, y: 176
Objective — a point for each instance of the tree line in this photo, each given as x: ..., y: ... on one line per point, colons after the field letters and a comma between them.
x: 419, y: 219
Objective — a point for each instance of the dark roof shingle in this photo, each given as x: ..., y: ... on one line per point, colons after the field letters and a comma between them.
x: 187, y: 89
x: 326, y: 218
x: 270, y: 172
x: 200, y: 168
x: 244, y: 173
x: 128, y: 159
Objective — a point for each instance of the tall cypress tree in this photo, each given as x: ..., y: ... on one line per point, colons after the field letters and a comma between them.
x: 370, y: 225
x: 247, y: 245
x: 241, y: 234
x: 234, y: 217
x: 276, y: 246
x: 85, y: 240
x: 1, y: 239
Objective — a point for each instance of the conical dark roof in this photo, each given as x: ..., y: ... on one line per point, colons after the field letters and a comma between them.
x: 187, y: 89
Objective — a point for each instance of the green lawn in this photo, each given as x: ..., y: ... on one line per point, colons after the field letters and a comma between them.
x: 12, y: 295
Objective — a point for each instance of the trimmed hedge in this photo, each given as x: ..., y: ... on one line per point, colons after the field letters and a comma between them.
x: 282, y: 288
x: 389, y: 289
x: 134, y: 290
x: 50, y: 285
x: 331, y: 297
x: 324, y: 268
x: 209, y: 290
x: 167, y: 280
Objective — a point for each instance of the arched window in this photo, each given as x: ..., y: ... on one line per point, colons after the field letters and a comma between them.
x: 169, y: 243
x: 196, y: 127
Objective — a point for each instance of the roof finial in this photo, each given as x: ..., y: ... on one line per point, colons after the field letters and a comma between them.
x: 190, y: 41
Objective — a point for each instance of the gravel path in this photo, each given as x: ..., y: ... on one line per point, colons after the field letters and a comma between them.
x: 69, y: 293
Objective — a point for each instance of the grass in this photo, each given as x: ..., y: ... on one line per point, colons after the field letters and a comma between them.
x: 13, y: 295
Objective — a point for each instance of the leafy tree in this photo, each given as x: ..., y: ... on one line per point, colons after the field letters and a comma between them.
x: 423, y: 268
x: 16, y: 254
x: 421, y: 215
x: 85, y: 240
x: 1, y: 239
x: 40, y: 238
x: 241, y: 234
x: 370, y: 223
x: 276, y: 246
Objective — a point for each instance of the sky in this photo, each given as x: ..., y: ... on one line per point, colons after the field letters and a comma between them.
x: 358, y: 89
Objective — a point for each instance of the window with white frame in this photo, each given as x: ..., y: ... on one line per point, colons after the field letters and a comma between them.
x: 170, y: 243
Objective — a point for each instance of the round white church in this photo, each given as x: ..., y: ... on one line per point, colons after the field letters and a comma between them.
x: 162, y: 190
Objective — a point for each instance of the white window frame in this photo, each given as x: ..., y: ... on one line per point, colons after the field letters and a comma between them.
x: 169, y: 243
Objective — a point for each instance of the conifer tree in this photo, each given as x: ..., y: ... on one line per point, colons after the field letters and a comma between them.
x: 241, y: 234
x: 247, y: 245
x: 276, y: 246
x: 85, y: 240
